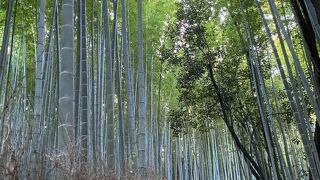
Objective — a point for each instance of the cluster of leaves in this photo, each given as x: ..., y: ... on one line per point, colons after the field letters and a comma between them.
x: 203, y: 33
x: 186, y: 49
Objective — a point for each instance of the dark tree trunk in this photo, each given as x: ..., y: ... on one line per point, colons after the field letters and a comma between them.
x: 303, y: 19
x: 301, y: 14
x: 316, y: 4
x: 254, y: 167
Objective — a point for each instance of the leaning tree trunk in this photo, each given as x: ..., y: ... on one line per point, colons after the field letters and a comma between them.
x: 265, y: 124
x: 3, y: 64
x: 256, y: 170
x: 311, y: 48
x: 314, y: 14
x: 5, y: 41
x: 293, y: 103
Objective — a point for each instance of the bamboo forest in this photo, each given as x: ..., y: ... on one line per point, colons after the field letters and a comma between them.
x: 159, y: 89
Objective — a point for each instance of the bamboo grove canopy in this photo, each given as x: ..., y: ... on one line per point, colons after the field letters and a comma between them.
x: 159, y: 89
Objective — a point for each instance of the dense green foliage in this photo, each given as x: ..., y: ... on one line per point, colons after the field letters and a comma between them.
x: 211, y: 89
